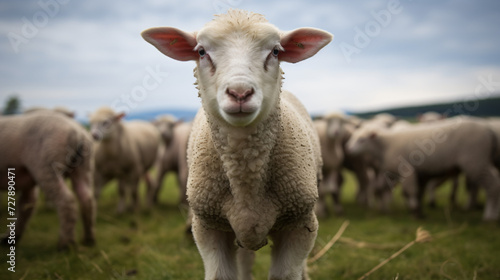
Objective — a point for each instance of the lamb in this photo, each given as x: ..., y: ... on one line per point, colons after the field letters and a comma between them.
x: 253, y: 155
x: 433, y: 150
x: 42, y: 149
x: 173, y: 157
x: 124, y: 151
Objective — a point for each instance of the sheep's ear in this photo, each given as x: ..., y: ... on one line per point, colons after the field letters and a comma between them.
x: 302, y: 43
x: 172, y: 42
x: 119, y: 116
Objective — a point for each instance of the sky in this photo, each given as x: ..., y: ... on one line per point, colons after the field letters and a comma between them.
x: 385, y: 53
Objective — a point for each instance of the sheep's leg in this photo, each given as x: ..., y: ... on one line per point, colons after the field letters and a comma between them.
x: 82, y: 184
x: 491, y: 182
x: 245, y: 260
x: 151, y: 190
x: 99, y: 182
x: 432, y: 186
x: 26, y: 205
x: 473, y: 189
x: 336, y: 192
x: 134, y: 195
x: 65, y: 202
x: 413, y: 195
x: 217, y: 250
x: 122, y: 193
x: 454, y: 189
x: 289, y: 253
x: 363, y: 186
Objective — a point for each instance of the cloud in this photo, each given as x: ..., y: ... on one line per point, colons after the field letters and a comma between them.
x: 90, y: 53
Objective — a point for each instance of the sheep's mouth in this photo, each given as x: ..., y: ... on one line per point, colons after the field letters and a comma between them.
x: 240, y: 114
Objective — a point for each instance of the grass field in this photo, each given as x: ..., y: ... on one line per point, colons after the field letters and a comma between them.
x: 153, y: 245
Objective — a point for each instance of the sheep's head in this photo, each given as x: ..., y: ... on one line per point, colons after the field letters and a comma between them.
x: 104, y: 122
x: 238, y: 56
x: 165, y: 125
x: 363, y: 141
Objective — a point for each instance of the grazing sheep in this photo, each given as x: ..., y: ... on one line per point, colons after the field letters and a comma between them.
x: 44, y: 148
x: 254, y: 157
x: 124, y: 151
x: 173, y: 157
x: 432, y: 150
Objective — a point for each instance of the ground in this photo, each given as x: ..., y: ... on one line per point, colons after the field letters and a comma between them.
x: 153, y: 244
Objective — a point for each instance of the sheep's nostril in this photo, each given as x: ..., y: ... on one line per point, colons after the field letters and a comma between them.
x: 240, y: 94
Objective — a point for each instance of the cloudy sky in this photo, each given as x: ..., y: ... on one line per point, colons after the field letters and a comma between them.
x: 385, y: 53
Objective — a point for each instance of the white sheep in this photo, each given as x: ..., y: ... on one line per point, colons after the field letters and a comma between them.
x: 58, y: 109
x: 333, y: 130
x: 254, y: 157
x: 429, y: 150
x: 44, y: 148
x: 172, y: 156
x: 124, y: 151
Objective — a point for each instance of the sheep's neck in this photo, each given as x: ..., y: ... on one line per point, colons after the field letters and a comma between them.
x: 246, y: 155
x: 245, y: 152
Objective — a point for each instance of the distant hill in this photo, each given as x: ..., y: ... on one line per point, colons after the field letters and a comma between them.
x: 184, y: 114
x: 489, y: 107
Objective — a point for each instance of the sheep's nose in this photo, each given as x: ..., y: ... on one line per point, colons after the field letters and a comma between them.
x: 240, y: 94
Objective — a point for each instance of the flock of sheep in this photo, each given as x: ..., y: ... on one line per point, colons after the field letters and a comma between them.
x: 252, y: 164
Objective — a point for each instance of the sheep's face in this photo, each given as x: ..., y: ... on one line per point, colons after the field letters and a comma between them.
x: 336, y: 127
x: 166, y: 127
x: 238, y: 74
x: 362, y: 142
x: 103, y: 124
x: 238, y: 55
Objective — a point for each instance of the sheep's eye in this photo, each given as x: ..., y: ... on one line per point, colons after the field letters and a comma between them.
x: 202, y: 52
x: 275, y: 52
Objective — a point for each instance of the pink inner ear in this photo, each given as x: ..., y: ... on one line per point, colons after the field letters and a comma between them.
x: 172, y: 42
x: 303, y: 43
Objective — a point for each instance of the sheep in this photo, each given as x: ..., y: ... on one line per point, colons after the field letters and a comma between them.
x: 430, y: 116
x: 385, y: 119
x: 57, y: 109
x: 432, y: 150
x: 332, y: 156
x: 124, y: 151
x: 253, y: 155
x: 172, y: 157
x: 334, y: 130
x: 43, y: 149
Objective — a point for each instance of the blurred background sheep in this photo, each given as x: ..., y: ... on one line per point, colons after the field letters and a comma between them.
x: 44, y: 147
x: 125, y: 151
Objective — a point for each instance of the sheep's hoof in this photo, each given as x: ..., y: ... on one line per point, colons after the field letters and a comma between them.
x: 66, y: 245
x: 88, y: 242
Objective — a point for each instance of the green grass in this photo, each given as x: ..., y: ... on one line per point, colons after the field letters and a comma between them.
x: 153, y: 245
